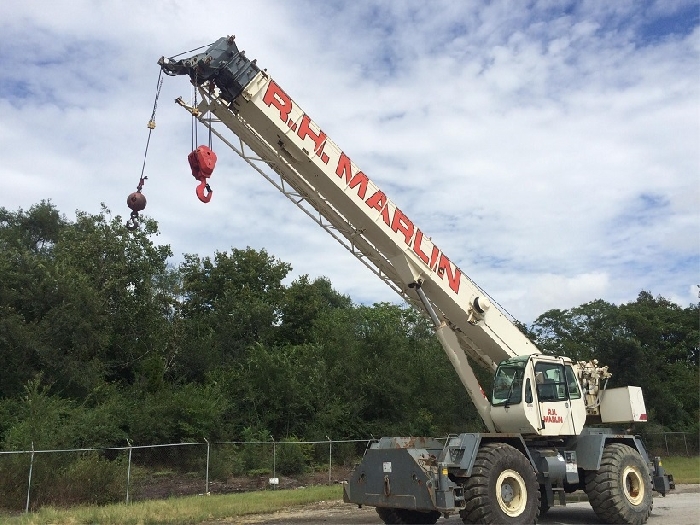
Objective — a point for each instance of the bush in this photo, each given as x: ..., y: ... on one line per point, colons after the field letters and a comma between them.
x: 14, y: 472
x: 293, y: 457
x: 225, y: 461
x: 61, y: 480
x: 256, y: 455
x: 90, y: 479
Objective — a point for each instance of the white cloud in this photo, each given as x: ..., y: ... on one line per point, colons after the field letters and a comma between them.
x: 521, y: 139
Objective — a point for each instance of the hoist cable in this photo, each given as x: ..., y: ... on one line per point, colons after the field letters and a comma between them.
x: 195, y: 140
x: 137, y: 201
x: 151, y: 127
x: 190, y: 51
x: 210, y: 135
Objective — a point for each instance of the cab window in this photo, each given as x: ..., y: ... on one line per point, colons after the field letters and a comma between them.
x: 571, y: 380
x: 508, y: 385
x: 551, y: 382
x: 528, y: 391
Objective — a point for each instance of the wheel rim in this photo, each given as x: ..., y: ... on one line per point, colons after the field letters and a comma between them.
x: 633, y: 485
x: 511, y: 493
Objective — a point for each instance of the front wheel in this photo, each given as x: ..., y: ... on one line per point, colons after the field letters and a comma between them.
x: 502, y: 489
x: 620, y: 490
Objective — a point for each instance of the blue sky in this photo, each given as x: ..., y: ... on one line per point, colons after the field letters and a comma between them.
x: 550, y: 148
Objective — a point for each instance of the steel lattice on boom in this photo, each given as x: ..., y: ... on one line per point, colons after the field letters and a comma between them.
x: 540, y: 443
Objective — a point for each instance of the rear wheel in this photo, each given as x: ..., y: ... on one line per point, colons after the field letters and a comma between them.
x: 502, y: 489
x: 620, y: 490
x: 407, y: 517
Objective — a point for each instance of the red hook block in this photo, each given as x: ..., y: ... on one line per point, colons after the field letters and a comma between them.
x: 202, y: 161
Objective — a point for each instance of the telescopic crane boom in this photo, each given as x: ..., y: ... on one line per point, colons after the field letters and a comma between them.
x: 251, y: 104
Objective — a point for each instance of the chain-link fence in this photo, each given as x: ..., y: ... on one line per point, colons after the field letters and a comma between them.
x: 30, y: 479
x: 672, y: 443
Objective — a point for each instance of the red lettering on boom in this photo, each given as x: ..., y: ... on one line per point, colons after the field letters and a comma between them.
x: 274, y: 96
x: 416, y: 246
x: 361, y: 180
x: 385, y: 215
x: 453, y: 278
x: 403, y: 224
x: 344, y: 169
x: 377, y: 201
x: 433, y: 258
x: 306, y: 131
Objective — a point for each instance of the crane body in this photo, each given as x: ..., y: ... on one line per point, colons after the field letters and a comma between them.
x: 538, y: 445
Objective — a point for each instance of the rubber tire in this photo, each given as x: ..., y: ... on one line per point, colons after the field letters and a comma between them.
x: 480, y: 488
x: 606, y: 486
x: 407, y: 516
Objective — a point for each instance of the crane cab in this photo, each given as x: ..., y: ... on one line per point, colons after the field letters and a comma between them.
x: 537, y: 394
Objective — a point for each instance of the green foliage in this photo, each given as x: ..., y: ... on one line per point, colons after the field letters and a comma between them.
x: 226, y: 461
x: 293, y: 457
x: 188, y: 412
x: 90, y: 479
x: 77, y: 299
x: 304, y: 301
x: 257, y: 453
x: 651, y: 342
x: 61, y: 479
x: 228, y: 304
x: 103, y: 341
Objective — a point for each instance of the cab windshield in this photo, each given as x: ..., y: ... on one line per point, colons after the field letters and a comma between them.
x: 508, y: 385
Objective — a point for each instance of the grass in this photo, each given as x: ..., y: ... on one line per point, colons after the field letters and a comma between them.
x: 684, y: 469
x: 176, y: 511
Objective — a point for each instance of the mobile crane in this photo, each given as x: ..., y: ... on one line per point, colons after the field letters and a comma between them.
x: 539, y: 445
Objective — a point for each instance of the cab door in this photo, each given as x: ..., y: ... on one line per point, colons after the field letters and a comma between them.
x: 553, y: 398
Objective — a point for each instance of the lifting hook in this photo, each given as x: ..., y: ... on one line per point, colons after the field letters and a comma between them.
x: 203, y: 185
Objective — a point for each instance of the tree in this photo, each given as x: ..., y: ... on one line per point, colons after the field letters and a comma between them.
x: 26, y: 242
x: 227, y: 305
x: 304, y: 301
x: 109, y: 321
x: 78, y: 299
x: 651, y: 342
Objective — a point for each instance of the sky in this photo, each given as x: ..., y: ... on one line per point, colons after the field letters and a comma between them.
x: 550, y: 148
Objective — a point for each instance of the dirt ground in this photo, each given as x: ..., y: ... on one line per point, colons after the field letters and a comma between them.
x: 336, y: 512
x: 173, y: 485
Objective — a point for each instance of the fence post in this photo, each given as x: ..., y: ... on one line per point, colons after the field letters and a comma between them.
x: 128, y: 473
x: 274, y: 460
x: 206, y: 490
x: 330, y: 458
x: 29, y: 485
